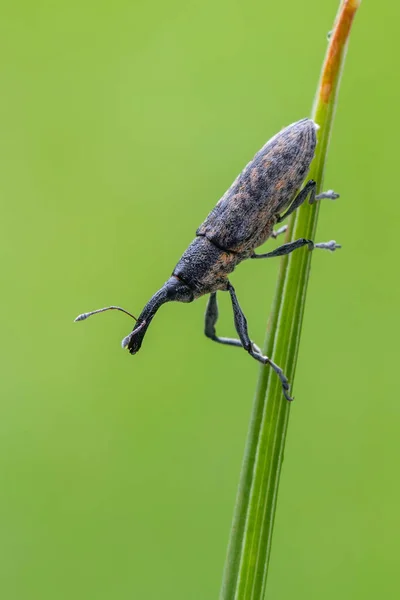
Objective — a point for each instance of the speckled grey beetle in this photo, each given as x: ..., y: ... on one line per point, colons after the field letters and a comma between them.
x: 241, y: 221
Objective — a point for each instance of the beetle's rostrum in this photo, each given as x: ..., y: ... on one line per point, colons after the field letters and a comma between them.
x: 263, y: 195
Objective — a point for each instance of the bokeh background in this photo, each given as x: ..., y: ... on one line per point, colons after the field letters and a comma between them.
x: 121, y: 125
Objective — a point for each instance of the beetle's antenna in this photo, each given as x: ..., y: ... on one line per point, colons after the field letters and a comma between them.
x: 84, y: 316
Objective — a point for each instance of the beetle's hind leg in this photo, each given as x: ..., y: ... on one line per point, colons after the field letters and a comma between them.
x: 241, y: 328
x: 308, y: 190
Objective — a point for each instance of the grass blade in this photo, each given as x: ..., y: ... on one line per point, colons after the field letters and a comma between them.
x: 246, y: 567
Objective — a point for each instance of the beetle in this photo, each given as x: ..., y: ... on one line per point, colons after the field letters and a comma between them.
x: 264, y: 194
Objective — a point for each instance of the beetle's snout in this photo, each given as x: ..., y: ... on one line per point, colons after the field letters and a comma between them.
x: 133, y: 341
x: 134, y: 344
x: 134, y: 348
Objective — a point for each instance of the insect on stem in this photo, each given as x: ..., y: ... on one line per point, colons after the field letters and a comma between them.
x: 264, y: 194
x: 84, y: 316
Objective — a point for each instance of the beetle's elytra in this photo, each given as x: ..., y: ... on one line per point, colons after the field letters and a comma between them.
x: 264, y: 194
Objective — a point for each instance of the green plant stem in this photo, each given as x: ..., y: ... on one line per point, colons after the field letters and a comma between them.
x: 246, y: 567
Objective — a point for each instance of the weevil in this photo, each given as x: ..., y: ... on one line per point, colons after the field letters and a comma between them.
x: 264, y: 194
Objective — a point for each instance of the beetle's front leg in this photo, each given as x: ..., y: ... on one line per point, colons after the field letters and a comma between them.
x: 211, y: 318
x: 291, y: 246
x: 252, y: 349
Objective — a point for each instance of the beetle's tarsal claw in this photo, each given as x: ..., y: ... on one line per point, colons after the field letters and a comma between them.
x: 279, y: 231
x: 329, y: 195
x: 286, y: 394
x: 332, y: 246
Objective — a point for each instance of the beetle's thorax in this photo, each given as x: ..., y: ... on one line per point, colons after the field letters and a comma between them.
x: 204, y: 267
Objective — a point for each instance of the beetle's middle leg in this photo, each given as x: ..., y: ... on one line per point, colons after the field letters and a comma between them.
x: 279, y: 231
x: 308, y: 190
x: 291, y: 246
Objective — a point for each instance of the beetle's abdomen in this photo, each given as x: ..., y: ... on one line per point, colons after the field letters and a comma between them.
x: 244, y: 216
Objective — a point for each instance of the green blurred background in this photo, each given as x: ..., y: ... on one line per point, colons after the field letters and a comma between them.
x: 121, y: 125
